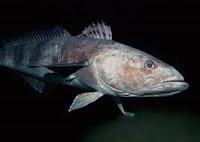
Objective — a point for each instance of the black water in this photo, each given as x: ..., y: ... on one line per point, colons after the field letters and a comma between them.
x: 167, y: 30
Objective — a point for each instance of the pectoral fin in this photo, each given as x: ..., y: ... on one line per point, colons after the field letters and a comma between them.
x: 84, y: 99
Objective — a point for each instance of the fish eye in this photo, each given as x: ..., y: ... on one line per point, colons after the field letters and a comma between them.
x: 149, y: 65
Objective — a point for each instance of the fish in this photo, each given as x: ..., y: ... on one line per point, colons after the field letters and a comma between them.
x: 92, y: 61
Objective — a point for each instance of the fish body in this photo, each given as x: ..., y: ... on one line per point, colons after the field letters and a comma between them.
x: 92, y: 61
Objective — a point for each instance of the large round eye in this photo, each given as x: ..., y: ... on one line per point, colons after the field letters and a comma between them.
x: 149, y: 65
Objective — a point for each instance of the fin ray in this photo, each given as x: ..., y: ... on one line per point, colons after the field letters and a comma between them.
x: 34, y: 36
x: 99, y: 31
x: 84, y: 99
x: 40, y: 86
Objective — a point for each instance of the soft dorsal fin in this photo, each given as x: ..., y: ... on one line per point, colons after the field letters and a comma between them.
x: 100, y: 31
x: 34, y: 36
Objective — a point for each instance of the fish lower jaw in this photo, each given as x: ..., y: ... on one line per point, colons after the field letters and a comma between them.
x: 168, y: 88
x: 161, y: 94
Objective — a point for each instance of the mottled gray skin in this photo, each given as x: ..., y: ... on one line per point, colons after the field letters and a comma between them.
x: 113, y: 68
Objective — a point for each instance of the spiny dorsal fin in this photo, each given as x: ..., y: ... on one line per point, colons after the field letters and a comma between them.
x: 37, y: 36
x: 100, y: 31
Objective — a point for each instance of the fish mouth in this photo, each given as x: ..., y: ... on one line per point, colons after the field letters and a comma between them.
x: 175, y: 80
x: 169, y: 88
x: 181, y: 85
x: 165, y: 88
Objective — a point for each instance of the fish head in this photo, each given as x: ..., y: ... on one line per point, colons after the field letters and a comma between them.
x: 136, y: 73
x: 154, y: 77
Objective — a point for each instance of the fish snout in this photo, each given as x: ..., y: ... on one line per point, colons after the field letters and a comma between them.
x: 177, y: 81
x: 177, y: 74
x: 173, y: 75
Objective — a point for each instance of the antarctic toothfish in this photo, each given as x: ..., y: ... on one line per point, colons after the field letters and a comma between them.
x: 92, y: 61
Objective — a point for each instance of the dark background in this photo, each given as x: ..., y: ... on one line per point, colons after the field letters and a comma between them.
x: 165, y: 29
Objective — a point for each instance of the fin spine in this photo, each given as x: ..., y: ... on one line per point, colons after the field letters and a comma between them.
x: 99, y: 31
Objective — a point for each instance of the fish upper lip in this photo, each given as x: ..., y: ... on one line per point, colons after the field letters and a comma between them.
x: 184, y: 85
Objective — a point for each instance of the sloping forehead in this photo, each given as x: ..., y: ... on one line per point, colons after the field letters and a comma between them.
x: 141, y: 54
x: 122, y: 50
x: 125, y: 49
